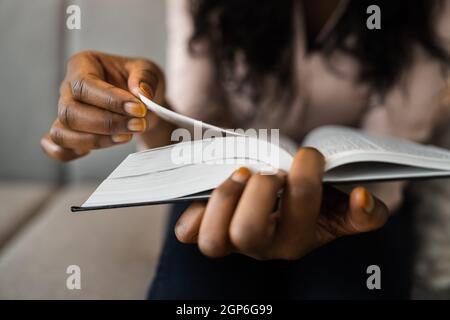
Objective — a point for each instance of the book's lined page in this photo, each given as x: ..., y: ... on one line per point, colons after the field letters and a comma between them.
x: 334, y: 140
x: 344, y: 145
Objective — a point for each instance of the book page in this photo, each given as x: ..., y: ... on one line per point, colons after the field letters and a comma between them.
x: 333, y: 140
x: 182, y: 120
x: 341, y: 145
x: 372, y: 171
x: 185, y: 168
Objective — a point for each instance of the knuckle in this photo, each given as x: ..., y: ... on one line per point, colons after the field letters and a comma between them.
x: 57, y: 135
x: 112, y: 103
x: 157, y: 71
x: 144, y: 63
x: 152, y: 71
x: 148, y: 65
x: 78, y: 87
x: 80, y: 55
x: 65, y: 114
x: 108, y: 123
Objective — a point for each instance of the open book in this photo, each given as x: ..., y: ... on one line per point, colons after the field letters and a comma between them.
x: 190, y: 170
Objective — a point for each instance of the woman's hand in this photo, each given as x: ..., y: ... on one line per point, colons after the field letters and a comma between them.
x: 98, y: 105
x: 240, y: 217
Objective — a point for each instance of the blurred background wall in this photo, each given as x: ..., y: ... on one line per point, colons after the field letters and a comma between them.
x: 116, y: 251
x: 34, y: 45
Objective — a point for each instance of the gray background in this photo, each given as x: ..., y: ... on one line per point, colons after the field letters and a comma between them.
x: 34, y: 45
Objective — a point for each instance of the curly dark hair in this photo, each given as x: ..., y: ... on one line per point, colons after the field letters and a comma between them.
x: 262, y: 31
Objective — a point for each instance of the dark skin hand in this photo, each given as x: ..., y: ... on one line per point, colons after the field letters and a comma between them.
x: 98, y: 105
x: 98, y: 108
x: 239, y: 216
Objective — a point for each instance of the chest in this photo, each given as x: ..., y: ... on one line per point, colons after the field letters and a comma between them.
x: 326, y: 91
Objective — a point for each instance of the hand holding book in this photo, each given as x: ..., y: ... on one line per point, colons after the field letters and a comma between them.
x: 239, y: 216
x: 351, y: 156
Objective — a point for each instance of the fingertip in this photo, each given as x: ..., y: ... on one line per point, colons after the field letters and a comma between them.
x: 367, y: 212
x: 180, y: 233
x: 188, y: 224
x: 241, y: 175
x: 310, y: 152
x: 363, y: 199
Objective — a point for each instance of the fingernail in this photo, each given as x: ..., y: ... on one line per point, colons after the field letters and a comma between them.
x: 135, y: 109
x: 367, y: 200
x: 241, y: 175
x: 309, y: 150
x: 137, y: 124
x: 147, y: 90
x: 118, y: 138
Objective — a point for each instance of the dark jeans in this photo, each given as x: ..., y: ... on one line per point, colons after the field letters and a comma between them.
x: 335, y: 271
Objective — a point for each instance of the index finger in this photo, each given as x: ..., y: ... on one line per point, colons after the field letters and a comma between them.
x: 85, y: 82
x: 94, y: 91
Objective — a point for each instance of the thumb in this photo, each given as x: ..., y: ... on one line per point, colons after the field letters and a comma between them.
x: 146, y: 78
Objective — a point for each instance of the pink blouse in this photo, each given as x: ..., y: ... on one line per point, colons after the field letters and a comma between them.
x: 324, y: 96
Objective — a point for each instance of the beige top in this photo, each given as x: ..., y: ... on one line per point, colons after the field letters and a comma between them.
x: 410, y: 110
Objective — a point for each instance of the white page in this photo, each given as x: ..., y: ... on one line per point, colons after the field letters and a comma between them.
x: 155, y: 175
x: 341, y: 145
x: 371, y: 171
x: 182, y: 120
